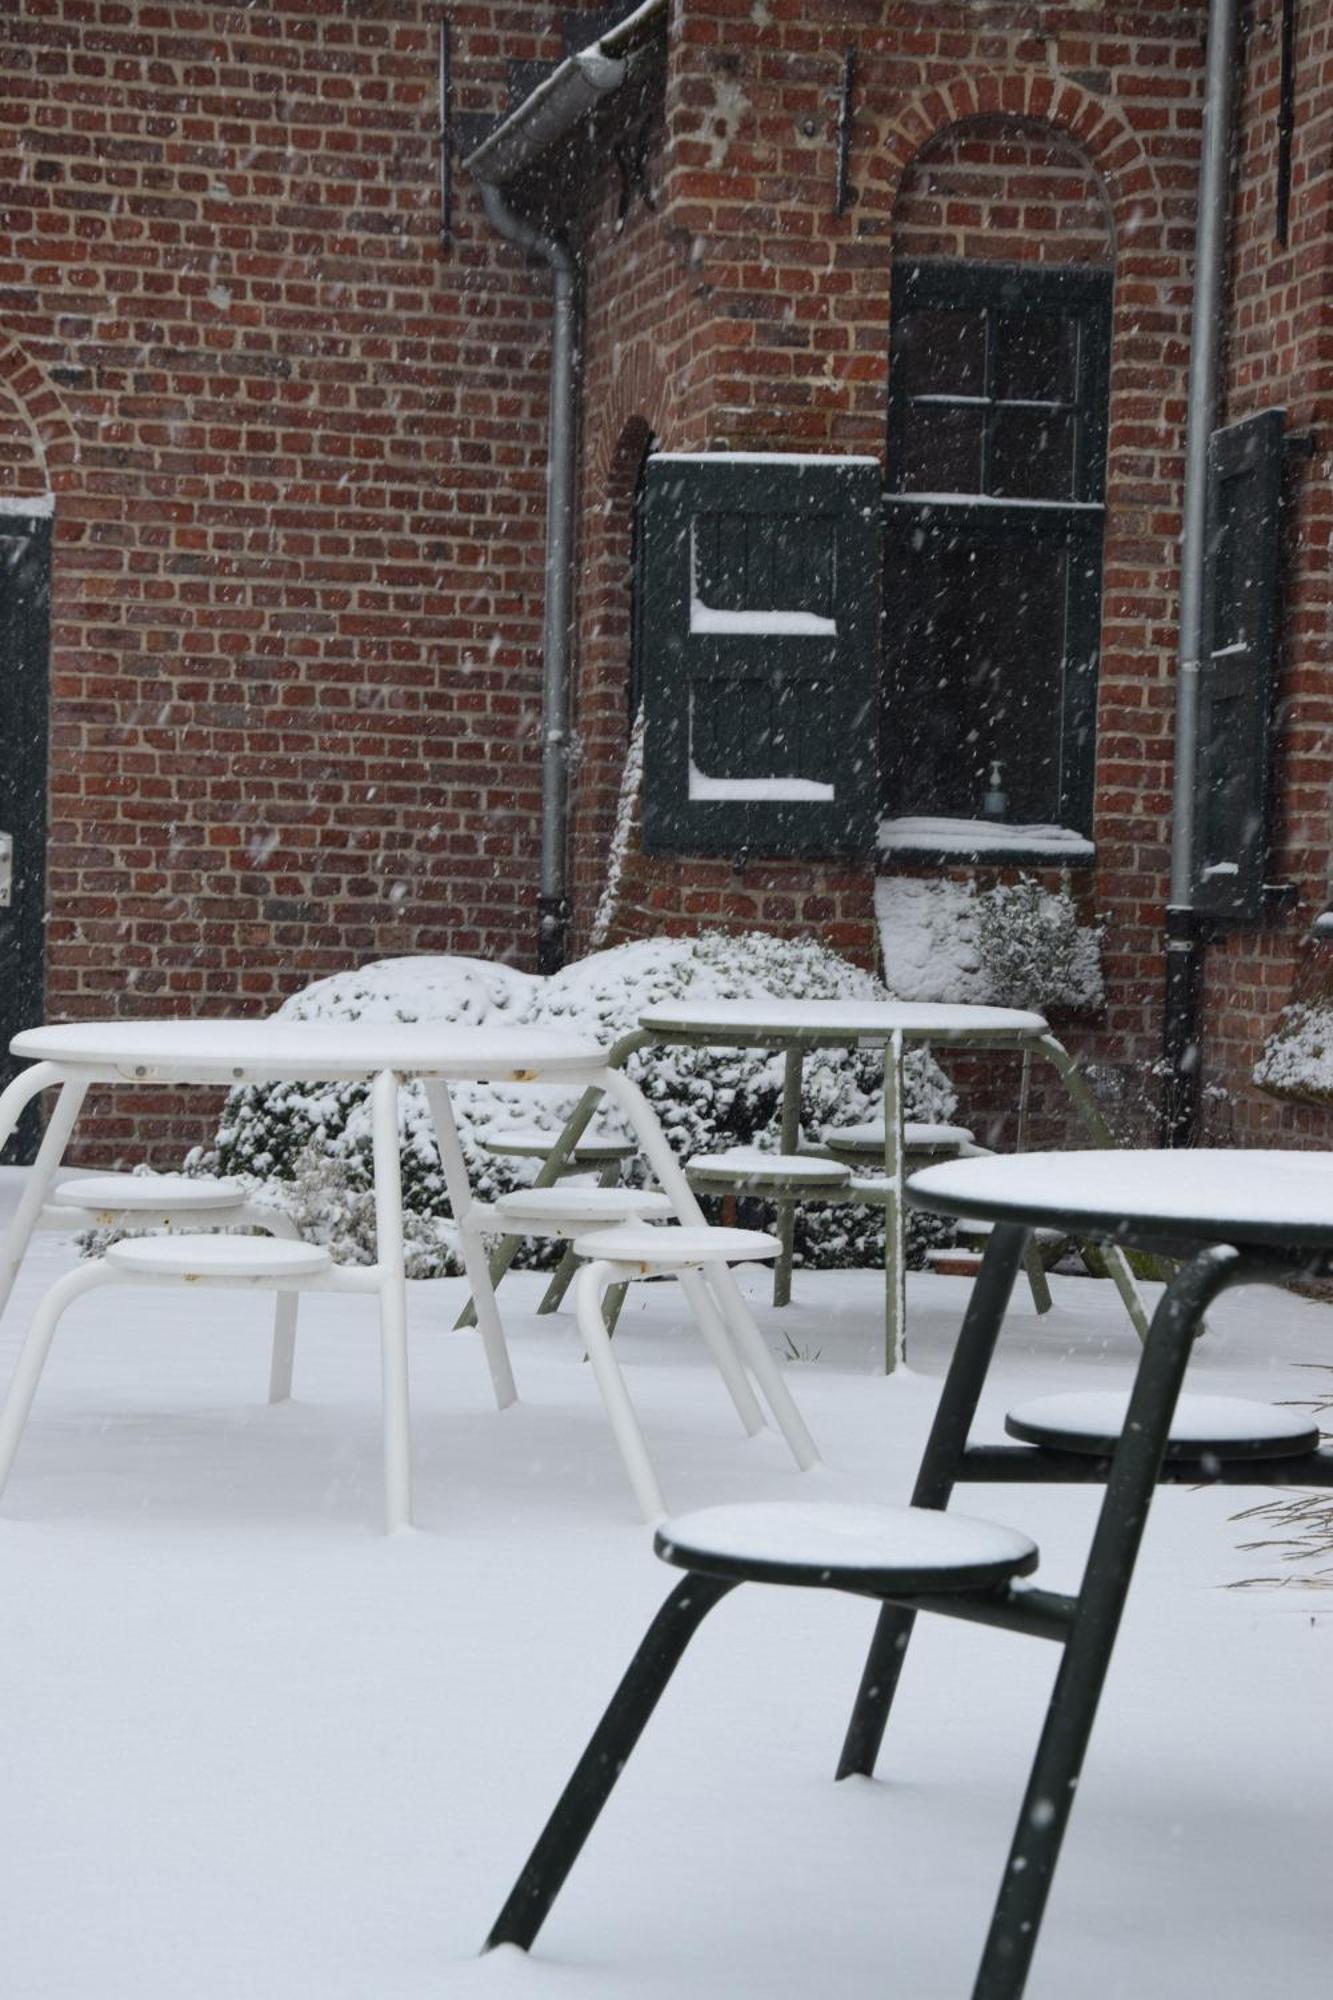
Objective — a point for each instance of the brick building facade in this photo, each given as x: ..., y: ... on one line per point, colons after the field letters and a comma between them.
x: 295, y: 443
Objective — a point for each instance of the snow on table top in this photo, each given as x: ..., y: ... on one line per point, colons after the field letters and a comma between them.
x: 827, y: 1019
x: 1252, y: 1197
x: 325, y: 1051
x: 832, y: 1535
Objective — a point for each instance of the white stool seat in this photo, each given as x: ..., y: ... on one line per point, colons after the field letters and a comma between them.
x: 219, y: 1257
x: 1202, y: 1426
x: 918, y: 1136
x: 149, y: 1193
x: 823, y: 1543
x: 671, y: 1249
x: 529, y: 1142
x: 746, y: 1166
x: 568, y: 1210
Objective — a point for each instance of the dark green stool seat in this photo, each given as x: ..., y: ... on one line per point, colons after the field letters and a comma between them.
x: 871, y: 1551
x: 1204, y: 1427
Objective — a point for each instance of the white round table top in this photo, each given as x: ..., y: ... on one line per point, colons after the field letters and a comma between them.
x: 282, y: 1051
x: 1205, y: 1195
x: 838, y: 1021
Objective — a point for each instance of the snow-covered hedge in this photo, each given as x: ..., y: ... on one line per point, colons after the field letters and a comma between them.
x: 1014, y: 945
x: 309, y: 1145
x: 1297, y: 1059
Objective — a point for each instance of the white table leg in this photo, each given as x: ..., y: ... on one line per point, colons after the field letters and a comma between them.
x: 895, y: 1245
x: 656, y: 1150
x: 471, y: 1247
x: 42, y: 1076
x: 34, y: 1351
x: 391, y: 1266
x: 625, y: 1428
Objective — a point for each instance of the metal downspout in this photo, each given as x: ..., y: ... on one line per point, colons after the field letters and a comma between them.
x: 1182, y: 1026
x: 553, y: 902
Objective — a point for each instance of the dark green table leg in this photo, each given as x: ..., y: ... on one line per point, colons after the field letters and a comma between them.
x: 1096, y: 1619
x: 934, y: 1484
x: 790, y: 1142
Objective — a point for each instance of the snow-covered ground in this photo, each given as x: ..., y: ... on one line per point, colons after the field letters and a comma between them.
x: 253, y: 1750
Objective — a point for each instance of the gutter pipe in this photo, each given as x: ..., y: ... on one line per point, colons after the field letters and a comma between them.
x: 569, y: 94
x: 1185, y: 934
x: 552, y: 897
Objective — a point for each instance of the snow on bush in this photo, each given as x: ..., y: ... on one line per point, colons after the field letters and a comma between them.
x: 1297, y: 1059
x: 1016, y: 945
x: 309, y: 1145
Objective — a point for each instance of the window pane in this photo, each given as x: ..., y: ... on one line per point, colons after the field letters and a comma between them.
x: 942, y: 448
x: 940, y: 352
x: 976, y: 644
x: 1036, y: 355
x: 1032, y: 454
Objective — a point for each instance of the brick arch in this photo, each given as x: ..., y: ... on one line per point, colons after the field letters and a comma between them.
x: 639, y: 392
x: 34, y: 416
x: 1104, y: 135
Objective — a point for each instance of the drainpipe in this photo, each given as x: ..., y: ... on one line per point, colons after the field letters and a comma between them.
x: 569, y: 94
x: 1185, y: 929
x: 552, y: 899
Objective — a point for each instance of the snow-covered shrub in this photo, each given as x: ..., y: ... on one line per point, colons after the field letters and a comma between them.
x: 1016, y: 945
x: 310, y: 1144
x: 1297, y: 1059
x: 1034, y: 950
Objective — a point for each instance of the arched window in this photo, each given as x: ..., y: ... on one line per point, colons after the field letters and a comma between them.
x: 996, y: 469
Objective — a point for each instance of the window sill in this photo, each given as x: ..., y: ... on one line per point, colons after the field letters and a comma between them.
x: 954, y: 840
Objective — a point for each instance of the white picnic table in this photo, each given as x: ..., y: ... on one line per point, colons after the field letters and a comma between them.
x: 73, y: 1058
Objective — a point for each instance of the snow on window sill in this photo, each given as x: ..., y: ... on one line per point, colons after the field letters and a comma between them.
x: 761, y: 623
x: 969, y: 839
x: 774, y: 789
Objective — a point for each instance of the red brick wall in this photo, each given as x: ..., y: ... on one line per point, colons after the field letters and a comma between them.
x: 1280, y: 353
x: 1057, y: 135
x: 298, y: 450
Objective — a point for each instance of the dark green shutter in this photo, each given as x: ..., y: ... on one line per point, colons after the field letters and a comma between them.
x: 25, y: 590
x: 760, y: 636
x: 1240, y: 634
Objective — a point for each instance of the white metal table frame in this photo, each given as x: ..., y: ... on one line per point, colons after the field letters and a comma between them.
x: 798, y: 1027
x: 72, y: 1059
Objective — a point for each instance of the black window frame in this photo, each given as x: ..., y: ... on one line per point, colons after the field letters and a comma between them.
x: 1078, y: 522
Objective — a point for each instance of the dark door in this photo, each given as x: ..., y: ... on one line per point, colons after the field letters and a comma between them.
x: 25, y: 589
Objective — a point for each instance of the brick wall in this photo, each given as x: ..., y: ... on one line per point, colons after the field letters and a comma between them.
x: 298, y: 451
x: 1280, y: 354
x: 1049, y: 134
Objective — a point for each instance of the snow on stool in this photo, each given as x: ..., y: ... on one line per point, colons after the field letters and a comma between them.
x: 110, y: 1195
x: 642, y: 1250
x: 567, y: 1211
x: 195, y: 1202
x: 1202, y: 1426
x: 675, y: 1249
x: 918, y: 1137
x: 746, y: 1170
x: 218, y: 1259
x: 529, y: 1142
x: 876, y: 1551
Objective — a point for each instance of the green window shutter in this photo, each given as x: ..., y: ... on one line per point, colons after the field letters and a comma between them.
x: 759, y: 621
x: 1240, y: 633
